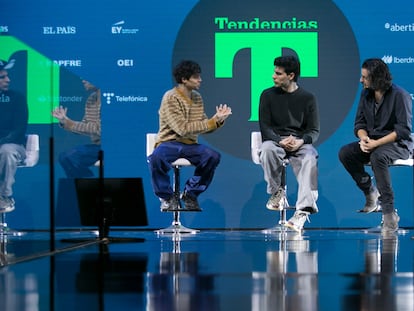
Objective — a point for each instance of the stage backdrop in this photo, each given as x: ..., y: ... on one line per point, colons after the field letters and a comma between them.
x: 128, y: 48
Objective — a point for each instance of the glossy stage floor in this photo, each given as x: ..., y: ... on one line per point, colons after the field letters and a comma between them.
x: 209, y: 270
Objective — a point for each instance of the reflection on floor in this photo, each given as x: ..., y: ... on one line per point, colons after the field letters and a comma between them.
x: 210, y: 270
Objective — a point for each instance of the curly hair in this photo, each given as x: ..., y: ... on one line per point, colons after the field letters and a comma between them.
x: 378, y: 74
x: 185, y: 69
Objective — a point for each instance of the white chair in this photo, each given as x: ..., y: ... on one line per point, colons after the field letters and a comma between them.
x: 176, y: 226
x: 32, y: 158
x: 256, y: 143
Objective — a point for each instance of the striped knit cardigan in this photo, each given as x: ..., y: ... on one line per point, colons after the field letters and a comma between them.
x: 91, y: 121
x: 183, y: 119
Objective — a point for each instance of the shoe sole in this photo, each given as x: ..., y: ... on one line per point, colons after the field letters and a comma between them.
x: 375, y: 209
x: 7, y: 210
x: 274, y: 208
x: 290, y: 226
x: 171, y: 210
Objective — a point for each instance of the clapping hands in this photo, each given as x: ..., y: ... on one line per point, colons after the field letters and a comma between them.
x: 222, y: 113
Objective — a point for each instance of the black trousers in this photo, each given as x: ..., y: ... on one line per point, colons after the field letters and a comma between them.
x: 354, y: 161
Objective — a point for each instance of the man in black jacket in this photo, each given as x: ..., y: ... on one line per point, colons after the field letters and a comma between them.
x: 383, y: 127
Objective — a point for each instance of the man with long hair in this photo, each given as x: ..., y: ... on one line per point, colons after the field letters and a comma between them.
x: 383, y: 127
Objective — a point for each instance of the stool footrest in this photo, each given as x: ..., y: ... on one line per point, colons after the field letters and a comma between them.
x: 374, y: 211
x: 182, y: 210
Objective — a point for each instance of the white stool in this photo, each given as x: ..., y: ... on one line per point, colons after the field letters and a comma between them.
x: 176, y: 226
x: 32, y: 157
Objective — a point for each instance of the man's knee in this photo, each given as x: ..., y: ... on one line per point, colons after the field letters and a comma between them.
x: 215, y: 157
x: 343, y: 153
x: 63, y: 157
x: 379, y: 159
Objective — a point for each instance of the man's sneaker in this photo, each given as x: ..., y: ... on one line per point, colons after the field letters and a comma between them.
x: 276, y: 200
x: 297, y: 221
x: 390, y: 223
x: 170, y: 205
x: 190, y: 203
x: 371, y: 201
x: 6, y: 204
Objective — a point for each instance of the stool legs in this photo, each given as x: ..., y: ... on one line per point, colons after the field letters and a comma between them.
x: 176, y: 226
x: 280, y: 227
x: 5, y: 230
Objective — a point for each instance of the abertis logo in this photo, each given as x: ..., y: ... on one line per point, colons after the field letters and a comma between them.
x: 235, y: 42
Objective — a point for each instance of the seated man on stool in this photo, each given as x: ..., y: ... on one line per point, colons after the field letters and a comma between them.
x: 13, y: 125
x: 383, y: 127
x: 289, y: 123
x: 76, y: 162
x: 181, y: 120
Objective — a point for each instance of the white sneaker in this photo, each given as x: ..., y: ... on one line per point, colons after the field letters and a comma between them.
x: 6, y: 204
x: 276, y: 200
x: 297, y: 221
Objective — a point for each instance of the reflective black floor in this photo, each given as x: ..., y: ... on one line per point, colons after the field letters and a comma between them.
x: 210, y: 270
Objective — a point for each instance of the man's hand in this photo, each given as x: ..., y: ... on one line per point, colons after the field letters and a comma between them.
x: 291, y: 143
x: 367, y: 144
x: 222, y: 113
x: 60, y: 114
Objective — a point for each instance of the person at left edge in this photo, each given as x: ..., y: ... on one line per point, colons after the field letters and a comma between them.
x: 13, y: 125
x: 181, y: 119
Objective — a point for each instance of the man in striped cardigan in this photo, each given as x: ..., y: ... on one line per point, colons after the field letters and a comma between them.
x: 181, y: 119
x: 76, y: 162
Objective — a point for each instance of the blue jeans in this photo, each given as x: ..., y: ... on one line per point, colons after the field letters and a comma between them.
x: 76, y: 161
x: 202, y: 157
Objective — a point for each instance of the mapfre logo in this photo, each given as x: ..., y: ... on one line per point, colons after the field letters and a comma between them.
x: 68, y: 62
x: 235, y: 46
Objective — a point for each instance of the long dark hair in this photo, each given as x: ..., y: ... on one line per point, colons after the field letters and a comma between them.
x: 378, y: 74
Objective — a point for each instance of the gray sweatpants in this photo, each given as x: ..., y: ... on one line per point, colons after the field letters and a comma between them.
x: 10, y: 156
x: 304, y: 163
